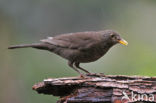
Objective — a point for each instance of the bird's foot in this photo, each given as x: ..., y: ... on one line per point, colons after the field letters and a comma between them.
x: 95, y: 74
x: 91, y: 75
x: 82, y: 76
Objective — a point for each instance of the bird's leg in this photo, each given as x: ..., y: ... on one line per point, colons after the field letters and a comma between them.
x: 77, y: 64
x: 71, y: 65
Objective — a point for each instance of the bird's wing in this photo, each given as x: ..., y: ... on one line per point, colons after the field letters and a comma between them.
x: 80, y: 40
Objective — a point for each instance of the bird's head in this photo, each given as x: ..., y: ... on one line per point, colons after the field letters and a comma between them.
x: 113, y: 37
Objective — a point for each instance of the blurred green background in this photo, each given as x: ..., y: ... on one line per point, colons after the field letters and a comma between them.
x: 28, y: 21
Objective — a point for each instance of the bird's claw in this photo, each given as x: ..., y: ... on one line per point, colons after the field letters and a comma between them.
x: 95, y: 74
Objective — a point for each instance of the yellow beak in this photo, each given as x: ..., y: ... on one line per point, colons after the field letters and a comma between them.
x: 124, y: 42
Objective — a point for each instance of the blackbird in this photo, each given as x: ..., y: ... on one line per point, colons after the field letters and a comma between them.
x: 79, y: 47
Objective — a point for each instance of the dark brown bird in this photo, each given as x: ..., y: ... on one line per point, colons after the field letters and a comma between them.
x: 80, y: 47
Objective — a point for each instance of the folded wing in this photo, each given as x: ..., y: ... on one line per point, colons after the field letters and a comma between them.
x: 78, y: 40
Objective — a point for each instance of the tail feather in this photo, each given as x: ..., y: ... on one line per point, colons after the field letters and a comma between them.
x: 35, y: 45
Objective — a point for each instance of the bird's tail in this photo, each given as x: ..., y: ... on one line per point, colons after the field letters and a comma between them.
x: 35, y: 45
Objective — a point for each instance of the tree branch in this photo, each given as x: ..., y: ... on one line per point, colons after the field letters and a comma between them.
x: 99, y: 88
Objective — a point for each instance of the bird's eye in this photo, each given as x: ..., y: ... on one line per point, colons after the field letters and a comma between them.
x: 113, y: 36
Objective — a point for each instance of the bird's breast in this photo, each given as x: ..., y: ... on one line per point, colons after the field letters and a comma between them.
x: 81, y: 56
x: 90, y: 55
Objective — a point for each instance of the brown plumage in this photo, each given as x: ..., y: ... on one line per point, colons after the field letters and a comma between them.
x: 80, y: 47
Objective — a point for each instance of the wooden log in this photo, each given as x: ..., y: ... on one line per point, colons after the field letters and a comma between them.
x: 99, y: 88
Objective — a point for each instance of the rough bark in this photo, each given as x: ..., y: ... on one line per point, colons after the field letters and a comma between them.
x: 99, y: 88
